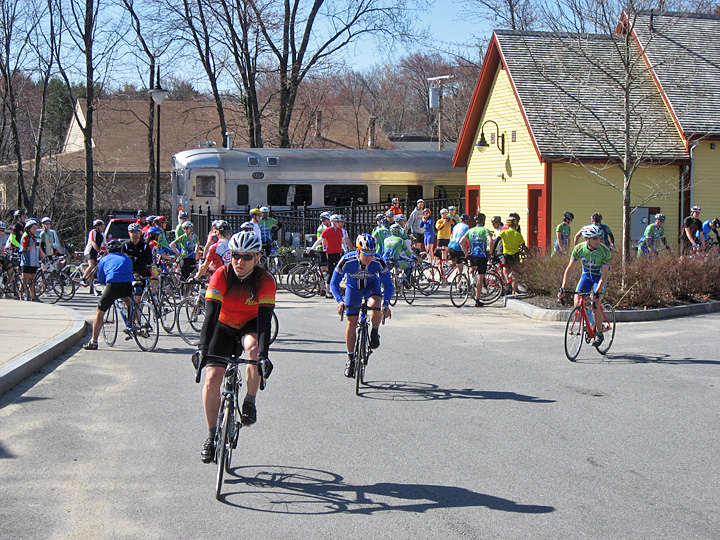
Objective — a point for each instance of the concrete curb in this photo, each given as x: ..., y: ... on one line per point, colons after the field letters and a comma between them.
x: 542, y: 314
x: 29, y: 363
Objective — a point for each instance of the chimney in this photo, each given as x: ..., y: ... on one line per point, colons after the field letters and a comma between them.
x: 229, y: 136
x: 371, y: 136
x: 318, y: 124
x: 652, y: 19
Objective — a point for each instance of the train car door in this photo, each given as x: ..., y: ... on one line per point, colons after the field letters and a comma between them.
x: 208, y: 188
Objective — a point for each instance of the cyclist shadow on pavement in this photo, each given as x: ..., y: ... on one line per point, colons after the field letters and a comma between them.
x: 295, y: 490
x: 418, y: 391
x: 655, y: 358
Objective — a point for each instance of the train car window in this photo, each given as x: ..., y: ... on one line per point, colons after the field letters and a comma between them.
x: 345, y: 194
x: 253, y: 161
x: 179, y: 178
x: 205, y: 185
x: 409, y: 192
x: 243, y: 196
x: 289, y: 195
x: 443, y: 192
x: 273, y: 161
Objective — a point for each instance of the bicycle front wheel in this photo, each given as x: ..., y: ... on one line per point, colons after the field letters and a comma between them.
x: 361, y: 348
x: 408, y: 293
x: 146, y: 329
x: 190, y: 318
x: 428, y: 279
x: 492, y: 288
x: 608, y: 328
x: 274, y: 326
x: 221, y: 446
x: 110, y: 326
x: 53, y: 287
x: 459, y: 290
x: 574, y: 333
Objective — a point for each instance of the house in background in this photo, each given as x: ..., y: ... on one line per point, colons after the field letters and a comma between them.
x: 551, y: 121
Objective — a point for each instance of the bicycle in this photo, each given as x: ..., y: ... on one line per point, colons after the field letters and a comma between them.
x: 162, y: 300
x: 141, y: 323
x: 579, y: 327
x: 362, y: 342
x: 42, y: 282
x: 403, y: 285
x: 228, y: 424
x: 306, y: 279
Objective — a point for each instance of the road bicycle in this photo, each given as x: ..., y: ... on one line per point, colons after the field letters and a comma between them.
x: 139, y: 322
x: 402, y: 284
x: 229, y: 417
x: 160, y: 295
x: 46, y: 284
x: 306, y: 279
x: 581, y: 328
x: 362, y: 342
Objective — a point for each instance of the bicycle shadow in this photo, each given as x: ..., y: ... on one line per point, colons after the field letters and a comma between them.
x: 655, y: 358
x: 297, y: 490
x: 419, y: 391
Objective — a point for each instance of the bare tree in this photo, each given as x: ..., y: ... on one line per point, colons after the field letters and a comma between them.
x: 512, y: 14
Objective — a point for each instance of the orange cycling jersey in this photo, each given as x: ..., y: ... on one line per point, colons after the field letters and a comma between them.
x: 239, y: 301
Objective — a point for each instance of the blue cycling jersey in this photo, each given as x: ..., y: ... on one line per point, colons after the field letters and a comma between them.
x: 359, y: 276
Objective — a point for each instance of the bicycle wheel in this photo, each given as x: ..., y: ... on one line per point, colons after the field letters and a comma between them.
x: 233, y: 429
x: 574, y: 333
x: 146, y: 329
x: 274, y: 326
x: 360, y: 356
x: 459, y: 290
x: 428, y: 279
x: 221, y: 446
x: 69, y: 285
x: 53, y: 287
x: 492, y: 288
x: 608, y: 328
x: 408, y: 292
x: 396, y: 289
x: 110, y: 326
x: 190, y: 318
x: 40, y: 285
x: 303, y: 281
x: 166, y: 310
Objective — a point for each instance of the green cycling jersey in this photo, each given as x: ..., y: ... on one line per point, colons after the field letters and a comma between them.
x: 592, y: 260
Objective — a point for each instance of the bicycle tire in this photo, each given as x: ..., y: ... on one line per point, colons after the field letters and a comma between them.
x: 146, y: 329
x: 40, y: 285
x: 492, y: 288
x: 459, y: 290
x: 274, y: 327
x: 608, y: 328
x: 408, y: 294
x: 53, y: 287
x: 190, y: 318
x: 428, y: 279
x: 221, y: 449
x: 396, y: 290
x: 233, y: 428
x: 360, y: 357
x: 303, y: 282
x: 110, y: 326
x: 166, y: 311
x: 69, y: 286
x: 574, y: 333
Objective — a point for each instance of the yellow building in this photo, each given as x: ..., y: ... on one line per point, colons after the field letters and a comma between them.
x: 545, y: 131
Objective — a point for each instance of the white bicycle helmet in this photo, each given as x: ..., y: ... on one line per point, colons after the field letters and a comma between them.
x: 134, y: 227
x: 590, y: 231
x: 264, y: 209
x: 659, y: 217
x: 396, y: 229
x: 337, y: 217
x: 222, y: 226
x: 45, y: 219
x: 399, y: 217
x: 2, y: 225
x: 245, y: 242
x: 98, y: 222
x: 247, y: 226
x: 187, y: 224
x: 325, y: 215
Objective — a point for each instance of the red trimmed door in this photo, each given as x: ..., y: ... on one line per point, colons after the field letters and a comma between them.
x: 536, y: 233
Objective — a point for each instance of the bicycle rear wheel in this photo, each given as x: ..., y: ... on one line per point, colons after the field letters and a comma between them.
x: 274, y: 326
x: 69, y: 285
x: 574, y: 333
x: 428, y: 279
x: 146, y: 329
x: 492, y: 288
x: 53, y: 287
x: 459, y: 290
x: 361, y: 352
x: 221, y: 445
x: 608, y: 328
x: 190, y: 318
x: 166, y: 310
x: 110, y: 326
x: 408, y: 291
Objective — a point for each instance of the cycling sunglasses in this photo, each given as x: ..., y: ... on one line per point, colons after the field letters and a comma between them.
x: 243, y: 256
x: 367, y: 254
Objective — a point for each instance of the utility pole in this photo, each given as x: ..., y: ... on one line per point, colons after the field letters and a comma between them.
x: 436, y: 101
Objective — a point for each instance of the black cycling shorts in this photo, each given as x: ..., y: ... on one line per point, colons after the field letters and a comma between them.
x: 227, y: 341
x: 28, y: 269
x: 480, y: 263
x: 457, y: 255
x: 112, y: 292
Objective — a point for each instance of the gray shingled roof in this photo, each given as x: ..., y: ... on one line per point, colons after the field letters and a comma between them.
x: 684, y: 50
x: 566, y: 84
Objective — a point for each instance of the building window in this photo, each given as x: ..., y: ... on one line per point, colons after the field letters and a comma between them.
x: 410, y: 192
x: 289, y: 195
x: 243, y: 197
x: 345, y: 194
x: 205, y: 185
x: 253, y: 161
x: 514, y: 136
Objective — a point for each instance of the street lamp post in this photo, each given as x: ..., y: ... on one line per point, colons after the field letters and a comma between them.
x: 158, y: 96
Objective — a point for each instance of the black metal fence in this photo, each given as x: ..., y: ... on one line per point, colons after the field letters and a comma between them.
x: 301, y: 224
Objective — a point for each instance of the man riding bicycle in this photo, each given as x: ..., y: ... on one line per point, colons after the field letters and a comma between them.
x: 366, y: 276
x: 239, y: 303
x: 595, y: 259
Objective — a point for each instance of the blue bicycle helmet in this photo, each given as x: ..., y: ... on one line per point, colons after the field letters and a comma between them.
x: 366, y: 242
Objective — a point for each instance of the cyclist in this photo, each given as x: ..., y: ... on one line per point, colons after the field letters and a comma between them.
x: 712, y: 235
x: 606, y: 235
x: 402, y: 221
x: 255, y: 215
x: 93, y: 248
x: 562, y: 234
x: 379, y: 218
x: 692, y: 235
x: 444, y: 227
x: 30, y: 256
x: 139, y: 253
x: 647, y: 245
x: 239, y: 303
x: 324, y: 224
x: 211, y: 239
x: 454, y: 246
x: 142, y: 221
x: 512, y: 244
x: 381, y: 232
x: 18, y: 227
x: 452, y: 211
x: 49, y: 238
x: 333, y: 240
x: 594, y: 256
x: 477, y: 243
x: 366, y: 276
x: 395, y: 208
x: 187, y: 248
x: 219, y: 253
x: 396, y: 252
x: 115, y: 272
x: 428, y: 225
x: 414, y: 224
x: 182, y: 218
x: 268, y: 227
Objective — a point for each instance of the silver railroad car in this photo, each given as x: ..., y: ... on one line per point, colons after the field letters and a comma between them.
x: 235, y: 179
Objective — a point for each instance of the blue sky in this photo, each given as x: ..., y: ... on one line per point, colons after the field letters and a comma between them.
x: 445, y: 24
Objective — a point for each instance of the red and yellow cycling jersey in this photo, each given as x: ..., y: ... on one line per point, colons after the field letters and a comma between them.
x: 239, y: 301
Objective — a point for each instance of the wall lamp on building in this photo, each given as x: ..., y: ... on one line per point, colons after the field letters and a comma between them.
x: 483, y: 145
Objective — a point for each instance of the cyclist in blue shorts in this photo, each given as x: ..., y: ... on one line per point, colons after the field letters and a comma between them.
x: 366, y: 276
x: 595, y: 259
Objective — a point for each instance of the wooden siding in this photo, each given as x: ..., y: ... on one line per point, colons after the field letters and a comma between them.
x: 575, y: 190
x: 519, y: 165
x: 706, y: 179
